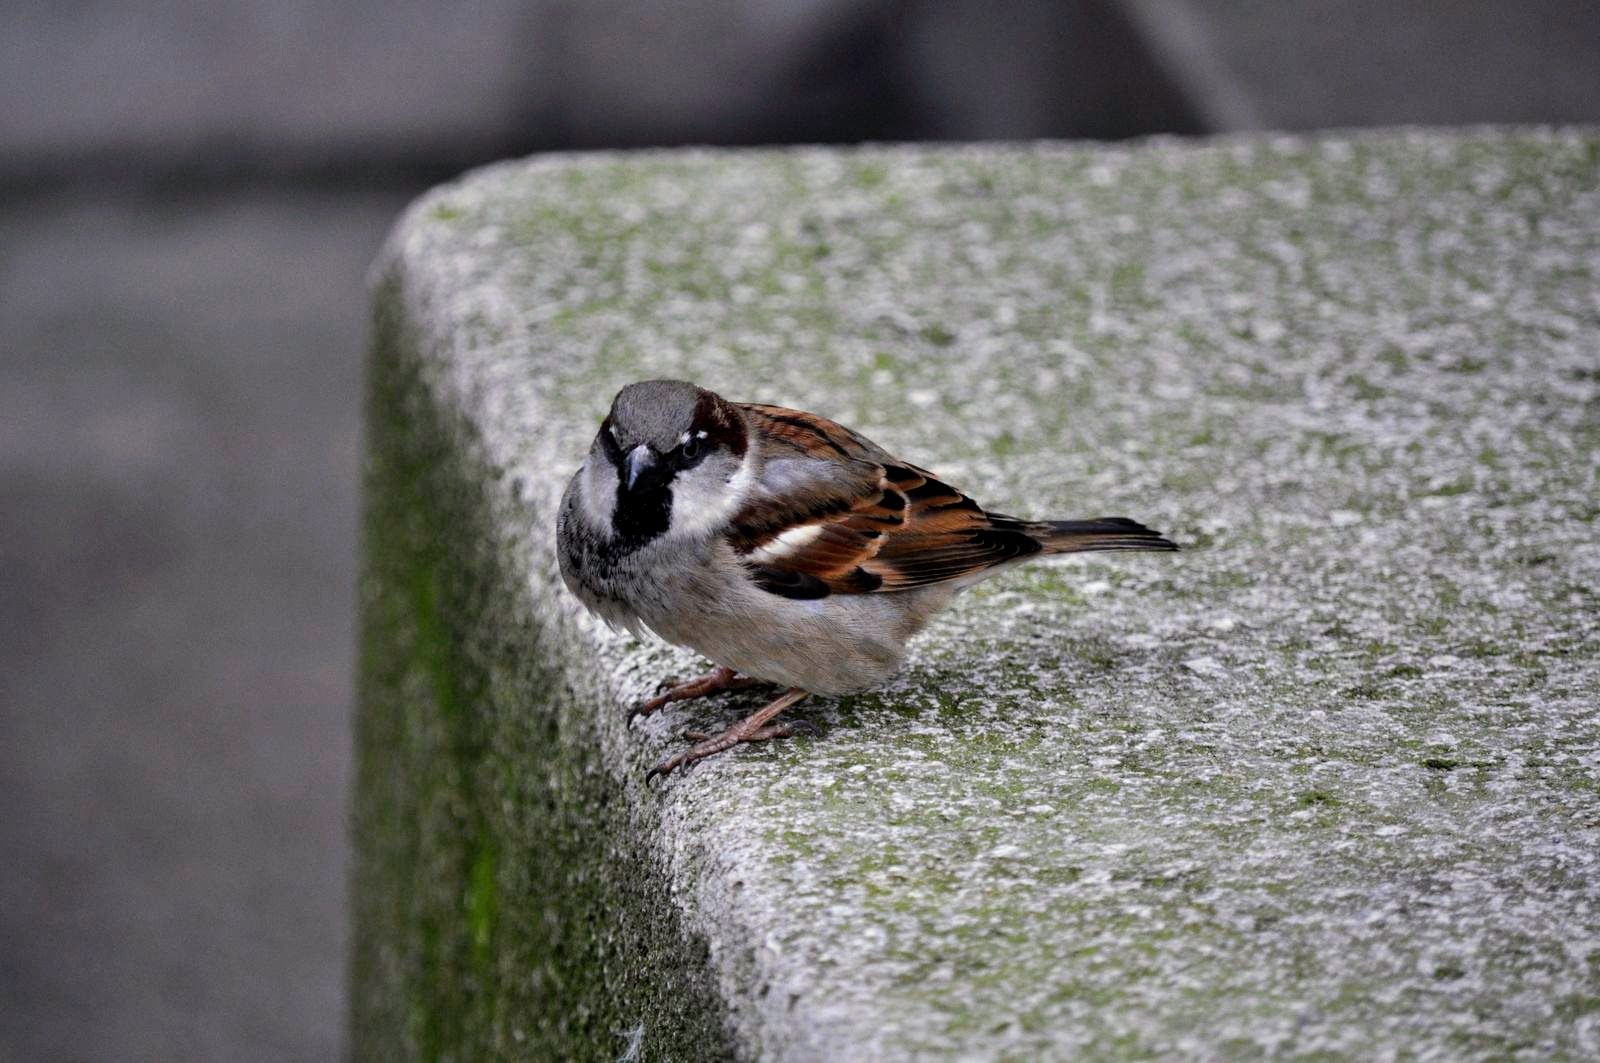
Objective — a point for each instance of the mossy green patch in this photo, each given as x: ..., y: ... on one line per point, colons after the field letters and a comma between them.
x: 501, y: 909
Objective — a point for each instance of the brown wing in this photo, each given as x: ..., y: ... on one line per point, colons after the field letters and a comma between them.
x: 836, y: 514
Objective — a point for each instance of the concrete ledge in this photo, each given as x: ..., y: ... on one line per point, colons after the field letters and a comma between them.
x: 1328, y: 782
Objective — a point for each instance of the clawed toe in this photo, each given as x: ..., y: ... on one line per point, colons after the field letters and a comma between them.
x: 663, y: 769
x: 714, y: 682
x: 756, y: 728
x: 645, y: 708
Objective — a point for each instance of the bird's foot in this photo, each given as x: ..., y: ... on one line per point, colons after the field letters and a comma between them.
x: 755, y: 728
x: 796, y: 727
x: 713, y: 682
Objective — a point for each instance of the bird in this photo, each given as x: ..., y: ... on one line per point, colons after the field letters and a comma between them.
x: 782, y: 546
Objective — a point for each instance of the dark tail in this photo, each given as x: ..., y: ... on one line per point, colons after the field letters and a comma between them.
x: 1102, y: 533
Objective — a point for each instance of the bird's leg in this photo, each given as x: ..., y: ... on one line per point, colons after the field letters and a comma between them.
x: 754, y: 728
x: 713, y: 682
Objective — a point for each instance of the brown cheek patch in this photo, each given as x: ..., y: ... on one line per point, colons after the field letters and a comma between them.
x: 721, y: 424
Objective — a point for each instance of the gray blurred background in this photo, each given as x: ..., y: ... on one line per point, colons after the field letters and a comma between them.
x: 190, y: 193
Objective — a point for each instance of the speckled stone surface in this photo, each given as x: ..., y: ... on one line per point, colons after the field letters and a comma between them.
x: 1325, y: 784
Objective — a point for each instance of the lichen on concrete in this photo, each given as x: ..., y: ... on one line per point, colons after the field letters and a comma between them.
x: 1326, y: 783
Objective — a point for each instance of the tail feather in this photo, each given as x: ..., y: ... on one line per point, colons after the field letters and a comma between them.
x: 1102, y: 533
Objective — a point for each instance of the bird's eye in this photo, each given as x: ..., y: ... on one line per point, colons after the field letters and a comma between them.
x: 691, y: 448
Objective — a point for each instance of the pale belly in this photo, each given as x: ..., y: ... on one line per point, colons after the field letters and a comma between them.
x: 832, y: 645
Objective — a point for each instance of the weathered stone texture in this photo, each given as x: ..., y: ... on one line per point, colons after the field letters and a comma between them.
x: 1328, y: 781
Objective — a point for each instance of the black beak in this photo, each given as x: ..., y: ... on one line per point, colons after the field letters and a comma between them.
x: 641, y: 460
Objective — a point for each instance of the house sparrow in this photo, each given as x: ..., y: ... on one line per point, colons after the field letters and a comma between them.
x: 784, y: 547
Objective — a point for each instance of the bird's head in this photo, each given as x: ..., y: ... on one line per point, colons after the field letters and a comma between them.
x: 669, y: 459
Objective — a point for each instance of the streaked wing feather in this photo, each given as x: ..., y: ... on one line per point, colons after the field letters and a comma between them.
x: 881, y: 525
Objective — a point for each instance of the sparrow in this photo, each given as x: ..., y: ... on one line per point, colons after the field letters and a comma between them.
x: 782, y: 546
